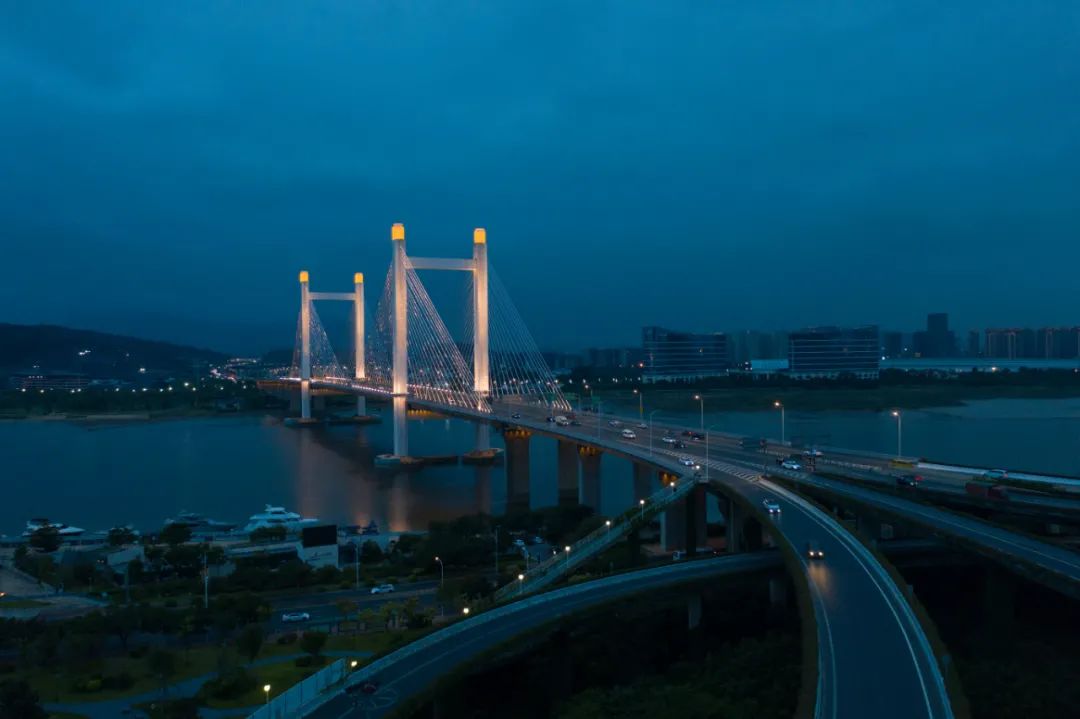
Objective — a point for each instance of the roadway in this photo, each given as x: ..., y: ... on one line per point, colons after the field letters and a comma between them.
x: 416, y: 667
x: 323, y: 609
x: 874, y: 658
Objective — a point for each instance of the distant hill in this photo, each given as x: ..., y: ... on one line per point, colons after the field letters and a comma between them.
x: 51, y: 348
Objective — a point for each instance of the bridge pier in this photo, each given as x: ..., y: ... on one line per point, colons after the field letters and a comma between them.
x: 483, y: 436
x: 643, y: 475
x: 696, y: 534
x: 517, y: 468
x: 568, y: 473
x: 401, y: 426
x: 673, y: 527
x: 733, y: 525
x: 589, y: 493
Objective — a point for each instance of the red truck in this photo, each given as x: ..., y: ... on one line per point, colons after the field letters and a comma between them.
x: 985, y: 490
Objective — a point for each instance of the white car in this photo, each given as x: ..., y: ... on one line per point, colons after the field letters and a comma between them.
x: 995, y: 474
x: 771, y: 505
x: 813, y: 453
x: 669, y: 440
x: 791, y: 464
x: 686, y: 462
x: 383, y: 589
x: 562, y: 421
x: 614, y: 423
x: 295, y: 617
x: 642, y: 425
x: 629, y: 434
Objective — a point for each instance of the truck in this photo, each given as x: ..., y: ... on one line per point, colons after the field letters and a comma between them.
x: 985, y: 490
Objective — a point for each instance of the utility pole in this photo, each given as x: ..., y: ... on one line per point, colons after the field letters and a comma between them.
x: 497, y: 528
x: 206, y: 581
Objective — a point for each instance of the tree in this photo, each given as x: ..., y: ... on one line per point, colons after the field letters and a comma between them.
x: 250, y: 641
x: 268, y: 534
x: 121, y: 623
x: 370, y: 553
x: 46, y: 539
x: 19, y: 701
x: 119, y: 536
x: 175, y: 534
x: 162, y: 664
x: 313, y: 642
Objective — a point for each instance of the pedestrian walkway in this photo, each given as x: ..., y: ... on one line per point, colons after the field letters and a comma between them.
x: 115, y: 708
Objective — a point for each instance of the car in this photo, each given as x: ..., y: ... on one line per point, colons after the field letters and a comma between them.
x: 614, y: 423
x: 679, y: 444
x: 668, y: 440
x: 791, y: 464
x: 642, y: 425
x: 908, y: 480
x: 771, y: 505
x: 686, y: 462
x: 813, y: 453
x: 295, y: 617
x: 697, y: 436
x: 383, y: 589
x: 629, y: 434
x: 575, y: 423
x: 995, y: 474
x: 562, y: 421
x: 814, y: 551
x: 687, y: 433
x: 516, y: 415
x: 369, y: 687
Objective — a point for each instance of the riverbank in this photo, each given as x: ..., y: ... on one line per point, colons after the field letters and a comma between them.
x: 828, y: 398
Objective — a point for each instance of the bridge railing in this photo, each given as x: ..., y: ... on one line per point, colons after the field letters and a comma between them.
x: 593, y: 542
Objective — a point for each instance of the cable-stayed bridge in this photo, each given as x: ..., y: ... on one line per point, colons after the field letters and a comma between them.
x: 410, y: 356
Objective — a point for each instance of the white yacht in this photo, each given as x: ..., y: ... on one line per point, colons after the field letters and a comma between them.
x: 41, y: 523
x: 199, y: 523
x: 273, y: 516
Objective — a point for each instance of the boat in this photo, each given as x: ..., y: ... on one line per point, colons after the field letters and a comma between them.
x: 370, y: 528
x: 63, y: 530
x: 199, y: 522
x: 273, y: 516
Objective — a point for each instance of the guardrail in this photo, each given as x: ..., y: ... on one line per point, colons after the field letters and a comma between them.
x: 600, y: 538
x: 291, y: 703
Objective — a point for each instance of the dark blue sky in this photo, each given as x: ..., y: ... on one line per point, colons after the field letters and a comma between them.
x: 168, y: 167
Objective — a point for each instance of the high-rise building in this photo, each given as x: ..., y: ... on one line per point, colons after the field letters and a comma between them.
x: 938, y: 340
x: 892, y: 344
x: 683, y: 356
x: 835, y: 352
x: 973, y: 346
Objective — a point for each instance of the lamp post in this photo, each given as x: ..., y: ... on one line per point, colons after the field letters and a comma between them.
x: 899, y: 432
x: 701, y: 400
x: 521, y: 584
x: 465, y: 611
x: 266, y: 692
x: 640, y: 403
x: 442, y: 575
x: 607, y: 523
x: 650, y: 428
x: 783, y: 429
x: 641, y: 503
x: 567, y: 548
x: 353, y: 663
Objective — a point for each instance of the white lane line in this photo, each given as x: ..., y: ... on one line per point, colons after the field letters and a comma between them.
x: 856, y: 550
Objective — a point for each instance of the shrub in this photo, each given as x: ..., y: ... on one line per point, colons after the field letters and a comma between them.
x: 117, y: 682
x: 233, y: 683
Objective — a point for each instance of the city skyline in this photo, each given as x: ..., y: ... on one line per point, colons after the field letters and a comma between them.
x: 886, y: 159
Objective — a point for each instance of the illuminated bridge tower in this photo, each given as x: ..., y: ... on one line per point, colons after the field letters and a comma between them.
x: 306, y: 311
x: 402, y: 263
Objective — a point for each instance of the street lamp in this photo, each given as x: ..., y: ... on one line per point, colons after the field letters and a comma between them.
x: 650, y: 428
x: 701, y: 399
x: 899, y: 432
x: 641, y: 503
x: 607, y: 523
x: 266, y: 691
x: 640, y: 403
x: 442, y: 575
x: 465, y: 611
x: 567, y: 548
x: 521, y: 584
x: 783, y: 428
x: 353, y: 663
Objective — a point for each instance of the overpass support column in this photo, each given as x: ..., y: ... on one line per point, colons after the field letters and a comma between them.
x: 400, y: 340
x: 589, y: 493
x: 305, y: 347
x: 695, y: 520
x: 693, y: 610
x: 733, y: 526
x: 673, y: 531
x: 643, y: 475
x: 359, y: 361
x: 568, y: 473
x: 517, y: 468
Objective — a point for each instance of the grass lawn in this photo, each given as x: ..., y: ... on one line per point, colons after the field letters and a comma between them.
x: 66, y: 715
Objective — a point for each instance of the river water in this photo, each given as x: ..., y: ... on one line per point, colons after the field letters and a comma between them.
x: 100, y: 475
